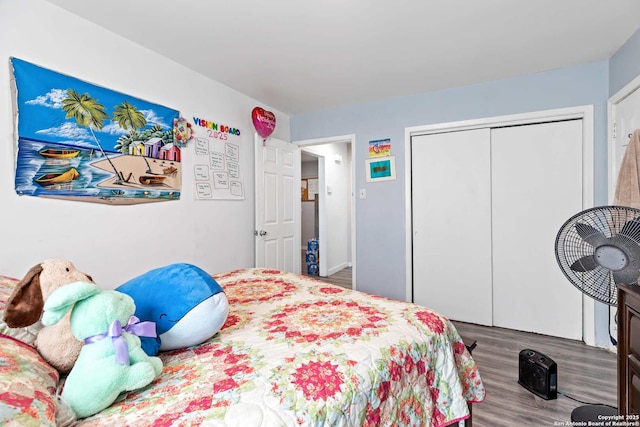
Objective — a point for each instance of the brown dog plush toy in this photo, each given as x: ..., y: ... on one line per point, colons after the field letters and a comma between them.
x: 56, y: 344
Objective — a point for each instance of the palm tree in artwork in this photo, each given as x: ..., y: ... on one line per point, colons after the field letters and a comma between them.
x: 88, y: 113
x: 128, y: 117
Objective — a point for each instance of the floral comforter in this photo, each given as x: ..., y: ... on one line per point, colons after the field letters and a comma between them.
x: 299, y: 352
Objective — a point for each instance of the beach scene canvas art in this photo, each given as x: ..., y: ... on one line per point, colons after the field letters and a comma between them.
x: 79, y: 141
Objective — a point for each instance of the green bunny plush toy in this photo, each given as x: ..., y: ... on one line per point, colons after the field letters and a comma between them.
x: 111, y: 360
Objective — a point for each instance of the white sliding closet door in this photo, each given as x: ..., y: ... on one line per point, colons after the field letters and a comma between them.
x: 451, y: 178
x: 487, y: 205
x: 536, y: 187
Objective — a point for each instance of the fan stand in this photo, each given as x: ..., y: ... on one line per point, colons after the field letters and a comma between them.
x: 598, y: 249
x: 592, y: 413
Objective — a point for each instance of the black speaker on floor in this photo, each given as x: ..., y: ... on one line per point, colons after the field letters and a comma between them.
x: 538, y: 374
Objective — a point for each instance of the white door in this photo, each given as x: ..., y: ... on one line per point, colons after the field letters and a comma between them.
x: 277, y: 200
x: 625, y: 115
x: 626, y: 119
x: 536, y: 187
x: 451, y: 179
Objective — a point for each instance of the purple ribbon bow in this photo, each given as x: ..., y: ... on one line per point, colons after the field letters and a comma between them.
x: 134, y: 326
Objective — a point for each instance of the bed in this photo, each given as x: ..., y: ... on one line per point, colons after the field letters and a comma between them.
x: 294, y: 351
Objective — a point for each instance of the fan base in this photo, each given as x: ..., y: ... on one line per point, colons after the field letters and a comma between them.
x: 592, y: 413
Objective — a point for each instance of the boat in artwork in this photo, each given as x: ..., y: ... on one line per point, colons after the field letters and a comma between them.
x: 169, y: 170
x: 151, y: 179
x: 59, y: 153
x: 58, y: 178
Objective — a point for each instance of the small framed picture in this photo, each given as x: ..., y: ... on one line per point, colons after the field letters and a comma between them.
x: 381, y: 169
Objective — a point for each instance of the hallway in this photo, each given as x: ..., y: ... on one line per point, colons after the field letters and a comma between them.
x: 341, y: 278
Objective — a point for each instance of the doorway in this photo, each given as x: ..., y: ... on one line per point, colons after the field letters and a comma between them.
x: 333, y: 202
x: 624, y: 119
x: 311, y: 174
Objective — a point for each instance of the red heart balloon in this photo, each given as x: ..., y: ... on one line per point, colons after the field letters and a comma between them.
x: 264, y: 121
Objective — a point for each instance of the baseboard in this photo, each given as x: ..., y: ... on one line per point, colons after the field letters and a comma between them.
x: 337, y: 268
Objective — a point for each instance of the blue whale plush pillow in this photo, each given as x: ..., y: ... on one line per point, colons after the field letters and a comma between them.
x: 187, y: 305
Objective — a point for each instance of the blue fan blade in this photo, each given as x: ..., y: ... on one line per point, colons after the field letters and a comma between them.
x: 586, y: 263
x: 590, y: 235
x: 631, y: 229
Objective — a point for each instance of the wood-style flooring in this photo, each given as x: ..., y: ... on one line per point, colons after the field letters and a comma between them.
x: 340, y: 278
x: 585, y: 373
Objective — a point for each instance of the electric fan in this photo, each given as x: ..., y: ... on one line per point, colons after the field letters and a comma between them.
x: 597, y: 249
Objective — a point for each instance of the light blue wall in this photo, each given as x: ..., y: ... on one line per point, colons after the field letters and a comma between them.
x: 380, y: 218
x: 624, y: 65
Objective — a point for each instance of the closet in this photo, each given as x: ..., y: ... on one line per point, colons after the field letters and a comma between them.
x: 487, y: 204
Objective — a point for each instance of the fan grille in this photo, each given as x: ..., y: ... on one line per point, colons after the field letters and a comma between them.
x: 599, y: 248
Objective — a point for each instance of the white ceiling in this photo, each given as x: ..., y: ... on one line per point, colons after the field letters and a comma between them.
x: 300, y: 56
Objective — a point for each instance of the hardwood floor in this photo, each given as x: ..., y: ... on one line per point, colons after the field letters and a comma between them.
x: 584, y: 373
x: 341, y: 278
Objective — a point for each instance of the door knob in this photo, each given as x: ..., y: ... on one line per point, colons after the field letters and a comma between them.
x: 260, y: 233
